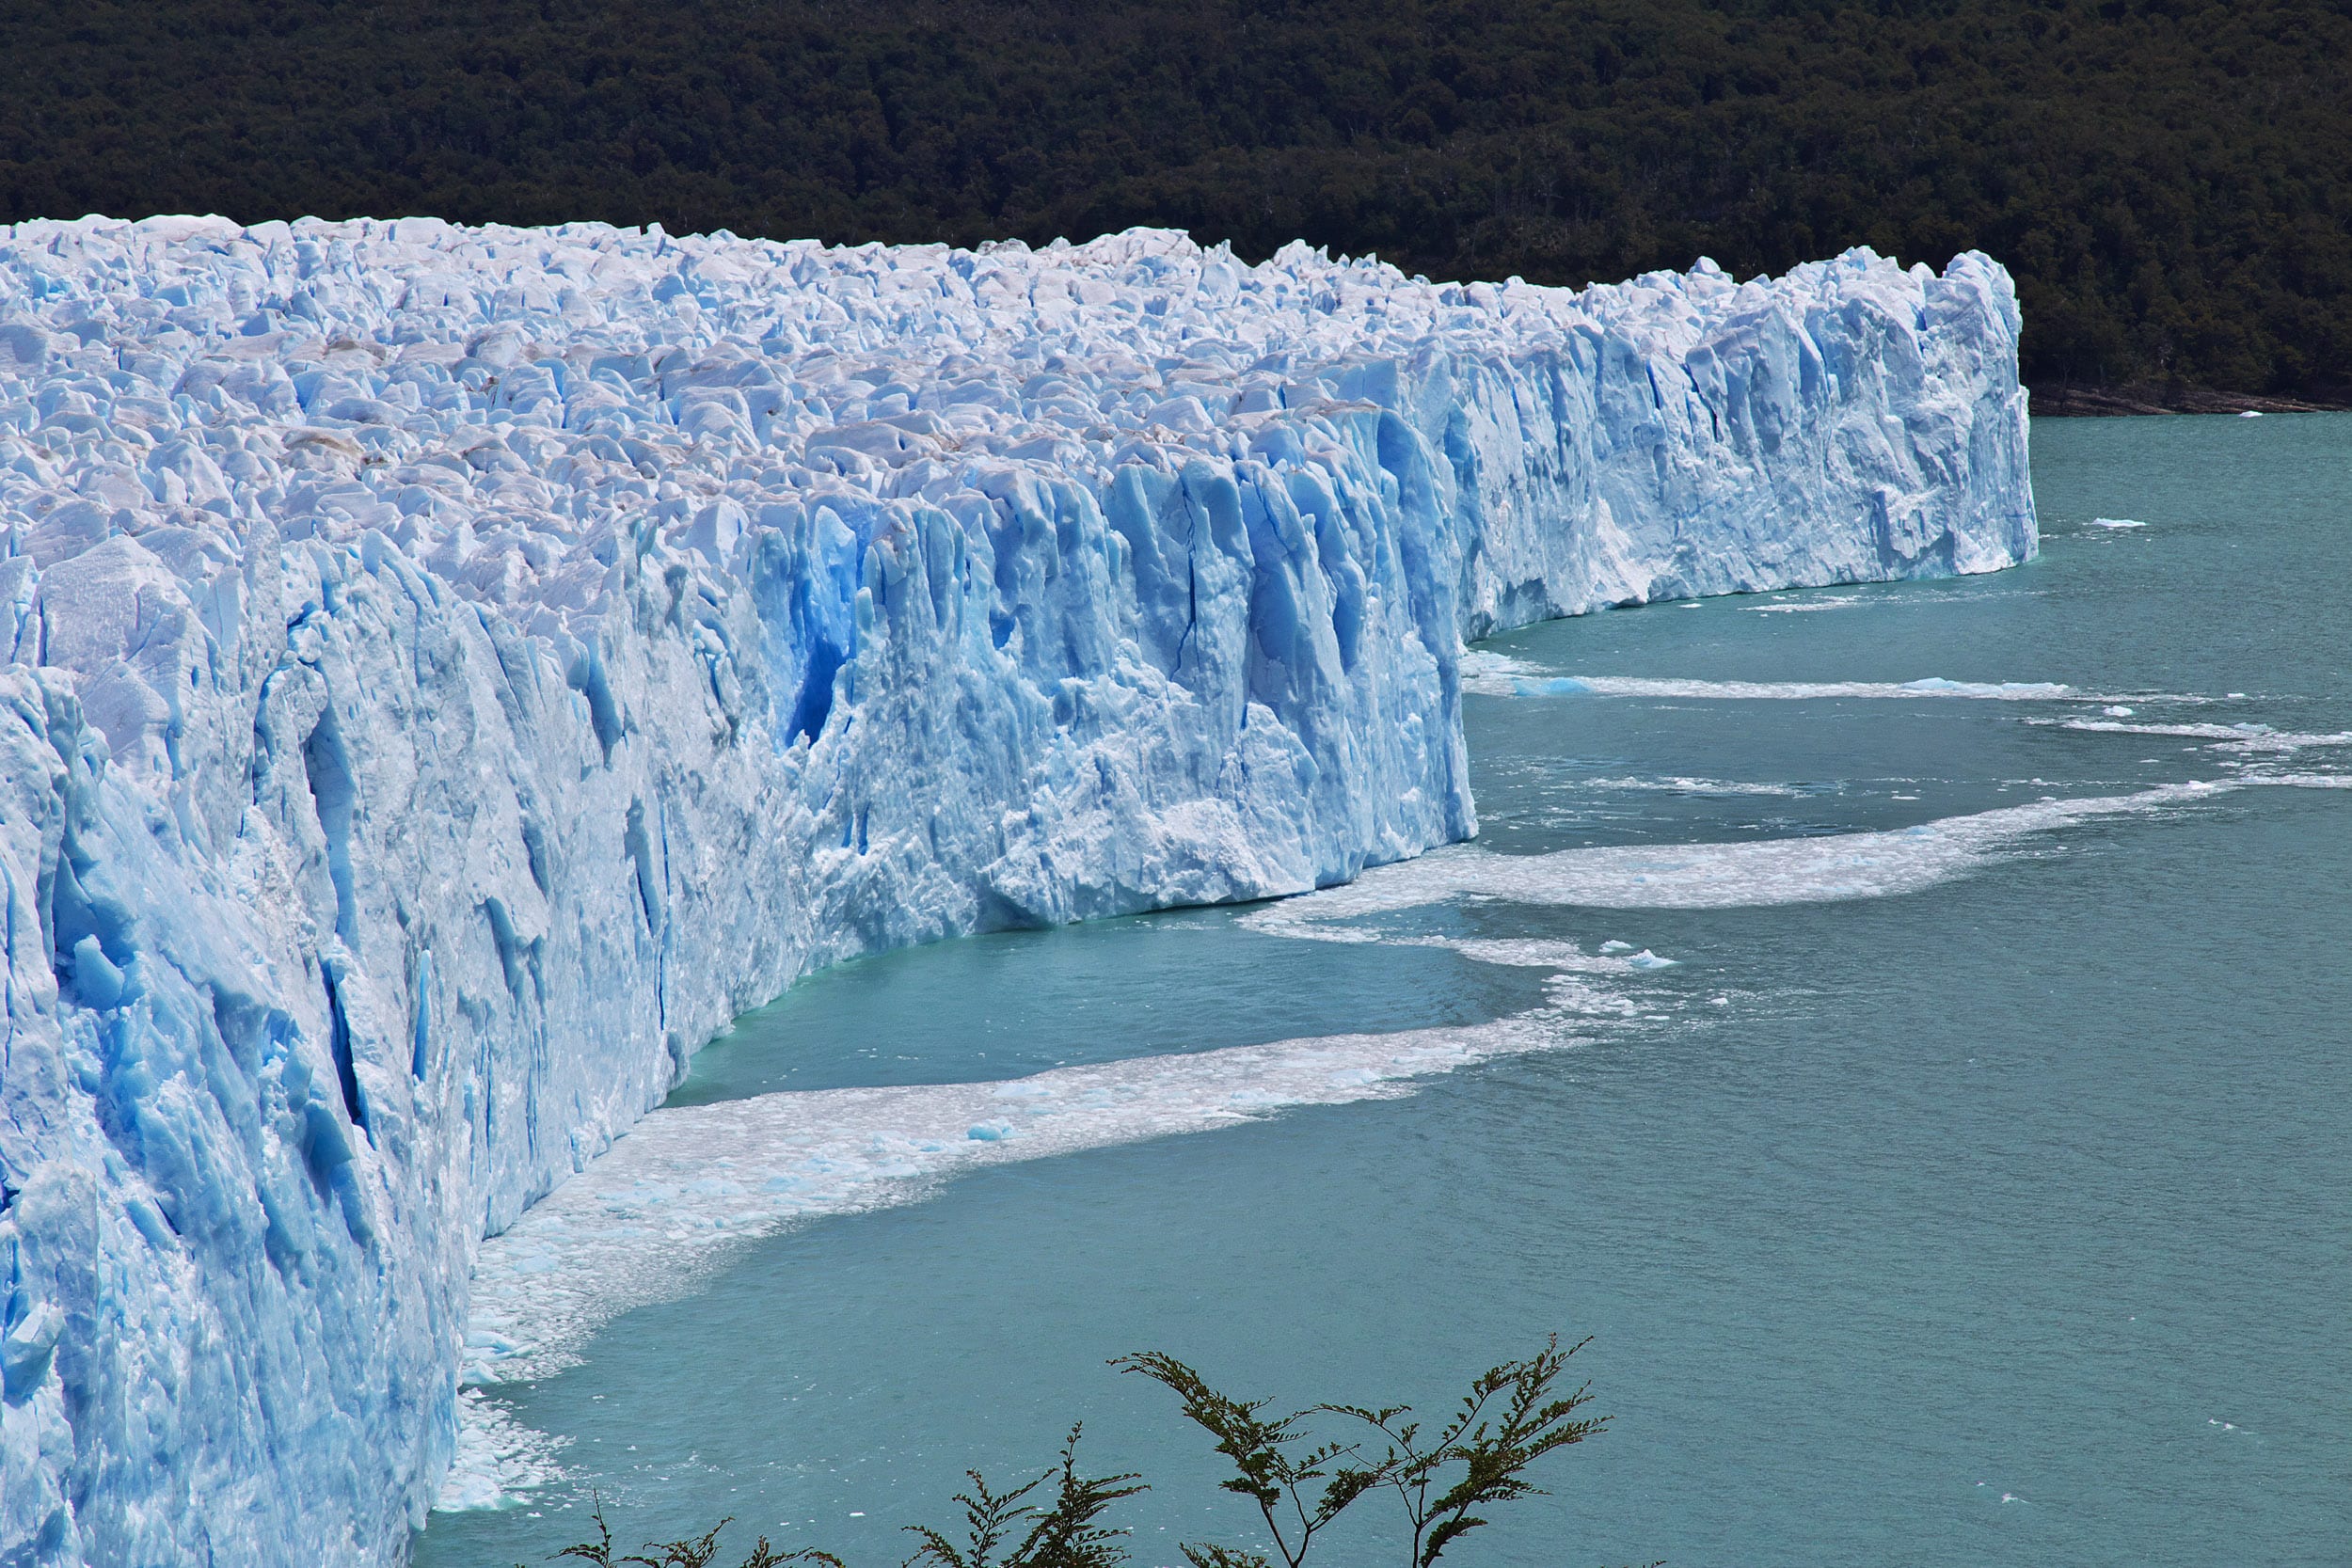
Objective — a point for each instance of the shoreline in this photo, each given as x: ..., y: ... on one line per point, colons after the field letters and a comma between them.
x: 2067, y: 401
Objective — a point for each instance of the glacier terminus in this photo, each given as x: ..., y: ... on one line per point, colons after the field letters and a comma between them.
x: 452, y: 673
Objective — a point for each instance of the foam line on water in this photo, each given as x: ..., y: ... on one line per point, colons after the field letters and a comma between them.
x: 1821, y: 869
x: 1495, y: 674
x: 1638, y: 686
x: 681, y: 1193
x: 1518, y: 952
x: 1568, y: 990
x: 1680, y: 785
x: 2302, y: 781
x: 675, y: 1197
x: 1808, y: 606
x: 2243, y: 738
x: 689, y: 1186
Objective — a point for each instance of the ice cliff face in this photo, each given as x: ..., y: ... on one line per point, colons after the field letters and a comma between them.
x: 451, y: 673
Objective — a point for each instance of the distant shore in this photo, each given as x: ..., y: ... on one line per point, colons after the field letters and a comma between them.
x: 2063, y: 400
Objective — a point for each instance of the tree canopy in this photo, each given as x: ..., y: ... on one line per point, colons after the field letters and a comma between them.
x: 2170, y: 180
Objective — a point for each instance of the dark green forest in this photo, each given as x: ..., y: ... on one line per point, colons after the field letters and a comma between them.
x: 2170, y: 180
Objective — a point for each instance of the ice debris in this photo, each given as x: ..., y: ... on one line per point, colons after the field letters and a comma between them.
x: 1823, y: 868
x: 648, y: 1221
x: 2243, y: 740
x: 454, y: 671
x: 1518, y: 680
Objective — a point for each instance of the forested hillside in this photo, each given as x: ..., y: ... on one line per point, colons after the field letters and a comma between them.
x: 2170, y: 180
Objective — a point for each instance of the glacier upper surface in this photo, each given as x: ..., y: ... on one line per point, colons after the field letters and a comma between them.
x: 452, y: 673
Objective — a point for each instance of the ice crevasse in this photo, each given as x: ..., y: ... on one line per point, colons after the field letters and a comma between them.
x: 452, y: 672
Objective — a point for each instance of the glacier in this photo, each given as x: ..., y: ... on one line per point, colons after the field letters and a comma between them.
x: 454, y: 672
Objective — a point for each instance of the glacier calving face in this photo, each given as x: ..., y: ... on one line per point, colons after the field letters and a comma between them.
x: 454, y: 672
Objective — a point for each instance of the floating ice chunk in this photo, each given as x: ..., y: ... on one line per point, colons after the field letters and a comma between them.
x: 2117, y: 711
x: 1647, y: 960
x: 498, y: 1460
x: 1614, y: 946
x: 988, y: 1133
x: 1483, y: 664
x: 2117, y: 522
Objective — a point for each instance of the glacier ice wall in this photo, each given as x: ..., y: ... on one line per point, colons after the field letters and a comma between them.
x: 452, y: 672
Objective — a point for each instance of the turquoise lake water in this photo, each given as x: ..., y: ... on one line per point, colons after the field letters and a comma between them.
x: 1997, y: 1209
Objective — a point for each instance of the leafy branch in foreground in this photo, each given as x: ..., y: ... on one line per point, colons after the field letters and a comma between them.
x: 1493, y: 1452
x: 1508, y: 1420
x: 694, y: 1552
x: 1512, y: 1417
x: 1272, y: 1465
x: 1062, y: 1536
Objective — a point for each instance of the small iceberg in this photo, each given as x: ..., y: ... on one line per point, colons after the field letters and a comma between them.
x: 1647, y: 960
x: 2117, y: 522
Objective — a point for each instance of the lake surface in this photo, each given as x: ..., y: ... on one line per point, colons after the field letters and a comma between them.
x: 1976, y: 1192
